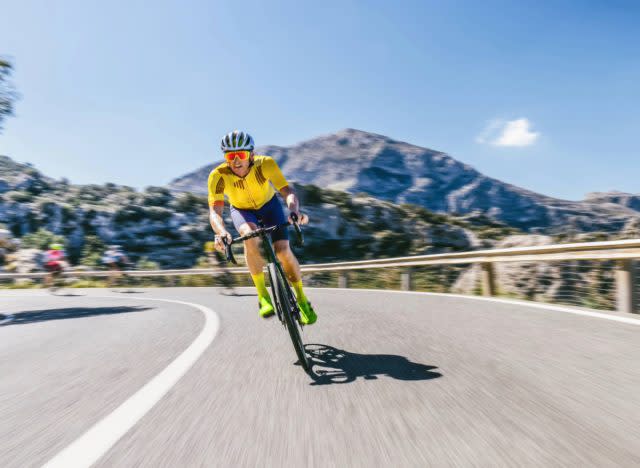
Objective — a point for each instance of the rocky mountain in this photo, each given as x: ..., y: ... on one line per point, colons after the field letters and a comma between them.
x: 154, y: 223
x: 355, y: 161
x: 170, y: 228
x: 627, y: 200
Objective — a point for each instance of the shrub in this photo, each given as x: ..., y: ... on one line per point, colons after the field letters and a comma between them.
x: 89, y: 283
x: 41, y: 239
x: 156, y: 196
x: 24, y: 283
x: 157, y: 213
x: 129, y: 214
x: 145, y: 264
x: 19, y: 196
x: 92, y: 251
x: 92, y: 193
x: 189, y: 203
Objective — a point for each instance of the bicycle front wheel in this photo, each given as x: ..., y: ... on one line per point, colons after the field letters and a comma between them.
x: 286, y: 301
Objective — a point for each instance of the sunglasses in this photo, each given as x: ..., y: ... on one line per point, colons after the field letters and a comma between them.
x: 231, y: 155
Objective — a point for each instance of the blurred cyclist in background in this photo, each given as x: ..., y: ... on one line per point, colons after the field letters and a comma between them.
x: 115, y: 259
x: 54, y: 264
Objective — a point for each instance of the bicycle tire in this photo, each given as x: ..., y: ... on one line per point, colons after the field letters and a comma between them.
x: 284, y: 297
x: 274, y: 293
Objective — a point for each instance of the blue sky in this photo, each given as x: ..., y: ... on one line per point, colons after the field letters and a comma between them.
x: 544, y: 95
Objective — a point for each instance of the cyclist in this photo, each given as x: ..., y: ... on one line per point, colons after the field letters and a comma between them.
x: 54, y: 263
x: 116, y: 260
x: 248, y: 181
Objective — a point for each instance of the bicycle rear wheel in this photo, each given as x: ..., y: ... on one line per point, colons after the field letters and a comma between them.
x: 286, y: 301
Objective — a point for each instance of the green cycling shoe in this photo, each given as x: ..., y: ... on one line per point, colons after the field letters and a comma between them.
x: 266, y: 308
x: 307, y: 314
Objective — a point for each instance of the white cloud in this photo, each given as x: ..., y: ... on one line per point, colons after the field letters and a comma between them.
x: 508, y: 133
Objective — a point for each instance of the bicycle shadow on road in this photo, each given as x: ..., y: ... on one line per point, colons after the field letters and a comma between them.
x: 338, y: 366
x: 66, y: 294
x: 34, y: 316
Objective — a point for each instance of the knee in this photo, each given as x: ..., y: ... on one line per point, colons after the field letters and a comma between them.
x: 246, y: 228
x: 282, y: 249
x: 252, y: 246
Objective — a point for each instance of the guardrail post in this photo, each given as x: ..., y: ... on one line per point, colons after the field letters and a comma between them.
x: 625, y: 291
x: 406, y: 280
x: 343, y: 280
x: 488, y: 279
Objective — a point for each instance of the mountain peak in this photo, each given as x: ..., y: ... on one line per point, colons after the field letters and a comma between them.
x: 354, y: 132
x: 347, y: 137
x: 354, y: 161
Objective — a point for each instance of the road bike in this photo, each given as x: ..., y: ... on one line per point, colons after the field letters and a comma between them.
x: 55, y: 280
x: 285, y: 301
x: 119, y: 278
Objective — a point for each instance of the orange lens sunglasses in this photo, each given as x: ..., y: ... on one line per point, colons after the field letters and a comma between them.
x: 231, y: 155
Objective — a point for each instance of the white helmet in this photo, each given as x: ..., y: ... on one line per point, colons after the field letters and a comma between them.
x: 237, y: 141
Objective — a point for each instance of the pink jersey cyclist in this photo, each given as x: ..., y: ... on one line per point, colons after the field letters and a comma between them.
x: 54, y: 258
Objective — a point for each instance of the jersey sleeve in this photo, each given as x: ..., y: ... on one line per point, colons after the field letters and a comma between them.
x: 216, y: 188
x: 272, y: 172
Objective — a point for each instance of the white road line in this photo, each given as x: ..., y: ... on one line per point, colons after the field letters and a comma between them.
x: 536, y: 305
x: 94, y: 443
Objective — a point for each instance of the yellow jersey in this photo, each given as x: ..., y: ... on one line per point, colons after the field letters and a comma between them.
x: 250, y: 192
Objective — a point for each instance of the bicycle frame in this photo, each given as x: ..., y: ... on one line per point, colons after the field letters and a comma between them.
x: 272, y: 260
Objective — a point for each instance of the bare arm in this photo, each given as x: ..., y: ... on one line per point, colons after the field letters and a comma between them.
x: 215, y: 218
x: 217, y: 224
x: 291, y: 200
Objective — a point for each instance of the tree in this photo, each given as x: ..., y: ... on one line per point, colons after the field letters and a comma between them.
x: 41, y: 239
x: 92, y: 251
x: 8, y: 94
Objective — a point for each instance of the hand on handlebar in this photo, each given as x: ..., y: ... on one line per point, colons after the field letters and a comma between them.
x: 220, y: 241
x: 298, y: 217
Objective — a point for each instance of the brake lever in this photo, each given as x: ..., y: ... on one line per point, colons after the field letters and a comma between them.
x: 296, y: 227
x: 228, y: 252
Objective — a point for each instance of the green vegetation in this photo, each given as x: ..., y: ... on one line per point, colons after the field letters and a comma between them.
x: 156, y: 196
x: 496, y: 233
x: 92, y: 251
x: 146, y: 264
x: 189, y: 203
x: 19, y: 196
x: 41, y: 239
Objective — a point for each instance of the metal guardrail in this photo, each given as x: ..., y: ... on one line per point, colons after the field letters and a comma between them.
x: 623, y: 252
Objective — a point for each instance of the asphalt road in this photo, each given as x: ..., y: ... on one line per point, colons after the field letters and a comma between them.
x: 399, y: 380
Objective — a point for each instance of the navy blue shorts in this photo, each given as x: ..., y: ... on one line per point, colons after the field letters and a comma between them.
x: 271, y: 213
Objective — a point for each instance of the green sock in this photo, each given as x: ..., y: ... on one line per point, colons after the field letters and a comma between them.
x: 258, y: 280
x: 297, y: 286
